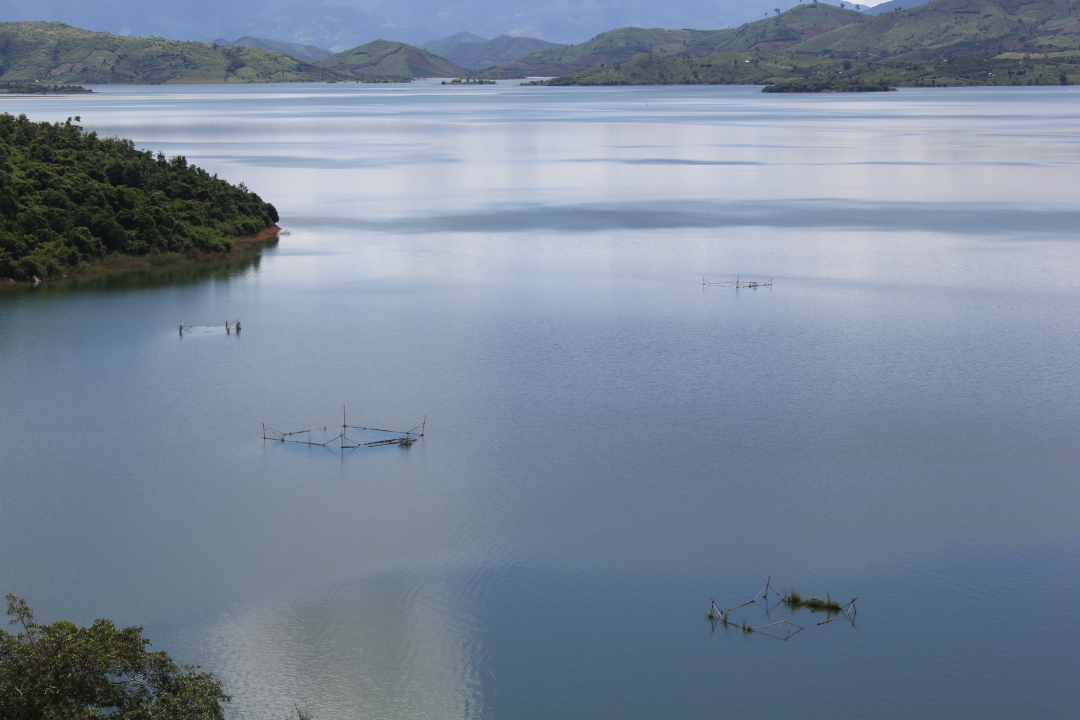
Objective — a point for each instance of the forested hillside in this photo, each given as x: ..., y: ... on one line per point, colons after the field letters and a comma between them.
x: 69, y: 197
x: 58, y: 53
x: 956, y: 27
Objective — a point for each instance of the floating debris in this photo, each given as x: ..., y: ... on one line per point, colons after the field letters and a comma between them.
x: 717, y: 616
x: 738, y: 283
x: 341, y: 441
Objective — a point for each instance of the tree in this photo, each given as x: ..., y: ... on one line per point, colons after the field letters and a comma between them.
x: 65, y: 672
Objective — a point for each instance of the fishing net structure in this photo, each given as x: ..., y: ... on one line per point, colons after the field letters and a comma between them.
x: 346, y: 434
x: 782, y: 629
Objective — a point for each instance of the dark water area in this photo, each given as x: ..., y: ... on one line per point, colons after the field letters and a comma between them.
x: 610, y: 443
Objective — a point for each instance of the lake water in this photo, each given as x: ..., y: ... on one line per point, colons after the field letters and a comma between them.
x: 610, y: 444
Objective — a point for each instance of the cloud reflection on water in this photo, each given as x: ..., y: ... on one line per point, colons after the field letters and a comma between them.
x: 995, y: 219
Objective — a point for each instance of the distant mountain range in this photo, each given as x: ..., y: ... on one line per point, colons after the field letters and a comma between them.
x: 938, y: 30
x: 343, y: 24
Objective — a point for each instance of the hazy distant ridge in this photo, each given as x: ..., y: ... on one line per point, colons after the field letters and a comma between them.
x: 504, y: 48
x: 457, y: 38
x: 307, y: 53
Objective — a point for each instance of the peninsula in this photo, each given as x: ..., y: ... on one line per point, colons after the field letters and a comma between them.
x: 72, y: 202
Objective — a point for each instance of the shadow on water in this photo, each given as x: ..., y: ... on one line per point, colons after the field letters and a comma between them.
x: 146, y: 277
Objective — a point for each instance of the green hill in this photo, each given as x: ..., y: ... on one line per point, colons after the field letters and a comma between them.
x: 661, y: 68
x: 68, y: 197
x: 962, y: 27
x: 607, y: 48
x: 797, y: 25
x: 58, y: 53
x: 384, y: 58
x: 490, y: 52
x: 618, y: 46
x: 307, y: 53
x: 919, y: 43
x: 830, y: 72
x: 942, y: 28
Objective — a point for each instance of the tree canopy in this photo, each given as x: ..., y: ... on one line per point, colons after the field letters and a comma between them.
x: 68, y: 196
x: 65, y: 672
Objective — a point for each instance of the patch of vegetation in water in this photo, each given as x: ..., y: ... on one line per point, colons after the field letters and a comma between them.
x: 822, y: 86
x: 34, y: 88
x: 814, y: 603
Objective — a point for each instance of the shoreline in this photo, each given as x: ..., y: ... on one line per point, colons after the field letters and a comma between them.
x: 242, y: 247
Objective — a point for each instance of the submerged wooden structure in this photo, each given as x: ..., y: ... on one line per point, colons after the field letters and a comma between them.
x: 341, y: 441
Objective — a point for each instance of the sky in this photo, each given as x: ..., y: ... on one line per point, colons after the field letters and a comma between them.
x: 341, y: 24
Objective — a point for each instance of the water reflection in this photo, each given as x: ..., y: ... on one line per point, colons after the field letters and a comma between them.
x: 144, y: 278
x: 389, y: 645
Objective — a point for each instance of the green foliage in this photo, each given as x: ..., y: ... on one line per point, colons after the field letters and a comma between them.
x: 67, y: 197
x: 392, y: 59
x: 55, y: 52
x: 65, y: 672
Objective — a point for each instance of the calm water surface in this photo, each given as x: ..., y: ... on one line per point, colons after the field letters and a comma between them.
x: 610, y: 444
